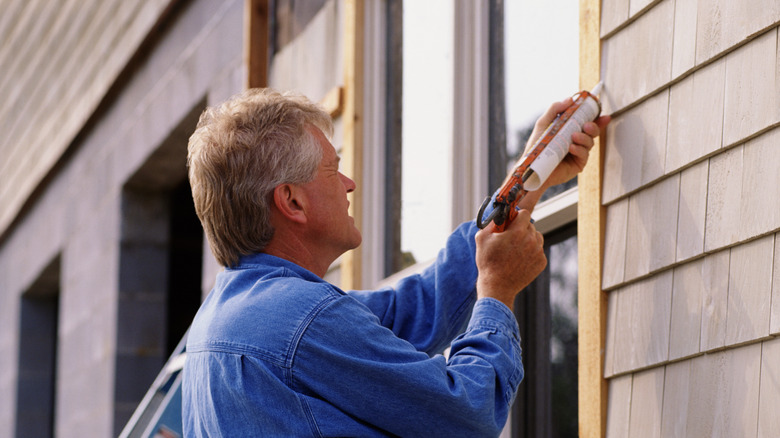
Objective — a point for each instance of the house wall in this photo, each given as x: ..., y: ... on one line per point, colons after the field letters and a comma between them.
x: 311, y: 62
x: 59, y: 60
x: 82, y: 220
x: 692, y: 198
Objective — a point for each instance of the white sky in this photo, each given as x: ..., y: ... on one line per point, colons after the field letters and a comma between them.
x: 542, y: 58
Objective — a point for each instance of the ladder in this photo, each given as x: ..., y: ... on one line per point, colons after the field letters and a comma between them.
x: 159, y: 413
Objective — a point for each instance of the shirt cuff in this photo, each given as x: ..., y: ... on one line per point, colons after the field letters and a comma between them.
x: 493, y: 314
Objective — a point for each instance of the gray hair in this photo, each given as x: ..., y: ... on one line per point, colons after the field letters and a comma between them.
x: 240, y: 151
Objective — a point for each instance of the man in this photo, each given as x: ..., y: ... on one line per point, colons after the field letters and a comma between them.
x: 277, y: 351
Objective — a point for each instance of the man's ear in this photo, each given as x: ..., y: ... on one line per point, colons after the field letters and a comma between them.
x: 288, y: 199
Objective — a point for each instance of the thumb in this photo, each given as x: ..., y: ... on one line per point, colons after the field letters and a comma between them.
x: 552, y: 111
x: 489, y: 229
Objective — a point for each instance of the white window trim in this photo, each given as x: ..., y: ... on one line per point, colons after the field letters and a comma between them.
x: 556, y: 212
x: 470, y: 109
x: 549, y: 216
x: 470, y: 136
x: 469, y: 152
x: 373, y: 214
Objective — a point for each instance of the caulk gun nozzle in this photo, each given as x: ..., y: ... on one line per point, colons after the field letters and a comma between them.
x: 597, y: 88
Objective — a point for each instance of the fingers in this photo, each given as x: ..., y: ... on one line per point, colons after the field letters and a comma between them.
x: 485, y: 233
x: 595, y: 128
x: 553, y: 110
x: 603, y: 121
x: 532, y: 244
x: 523, y: 216
x: 507, y: 262
x: 524, y: 225
x: 591, y: 129
x: 582, y: 142
x: 546, y: 119
x: 582, y: 139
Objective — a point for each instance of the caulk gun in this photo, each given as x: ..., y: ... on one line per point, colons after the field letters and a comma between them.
x: 542, y: 159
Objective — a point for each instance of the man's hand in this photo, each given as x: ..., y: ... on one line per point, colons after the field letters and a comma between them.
x: 509, y: 261
x: 582, y: 143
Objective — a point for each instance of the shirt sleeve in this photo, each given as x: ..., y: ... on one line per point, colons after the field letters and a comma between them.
x: 431, y: 308
x: 361, y: 368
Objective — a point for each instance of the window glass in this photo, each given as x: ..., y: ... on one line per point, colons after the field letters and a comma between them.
x: 563, y: 343
x: 541, y: 66
x: 36, y: 386
x: 546, y: 311
x: 541, y: 42
x: 427, y: 128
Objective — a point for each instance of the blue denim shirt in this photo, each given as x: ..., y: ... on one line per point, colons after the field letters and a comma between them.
x: 276, y: 351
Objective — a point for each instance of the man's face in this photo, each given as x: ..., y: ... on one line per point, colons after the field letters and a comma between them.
x: 330, y: 223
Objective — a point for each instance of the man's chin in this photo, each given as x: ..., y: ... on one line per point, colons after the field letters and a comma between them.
x: 358, y: 239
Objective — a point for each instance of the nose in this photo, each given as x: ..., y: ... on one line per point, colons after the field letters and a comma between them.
x: 348, y: 183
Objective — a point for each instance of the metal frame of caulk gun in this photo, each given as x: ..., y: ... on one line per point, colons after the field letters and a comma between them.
x: 513, y: 191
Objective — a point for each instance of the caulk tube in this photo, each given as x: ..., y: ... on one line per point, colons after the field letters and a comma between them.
x: 566, y: 124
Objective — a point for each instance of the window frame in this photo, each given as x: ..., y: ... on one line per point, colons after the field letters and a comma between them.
x: 469, y: 124
x: 471, y: 158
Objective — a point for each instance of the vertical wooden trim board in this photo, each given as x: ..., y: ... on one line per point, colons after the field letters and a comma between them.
x: 590, y: 232
x: 256, y: 40
x: 352, y: 148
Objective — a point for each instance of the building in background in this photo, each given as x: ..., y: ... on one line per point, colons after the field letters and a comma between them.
x: 660, y: 310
